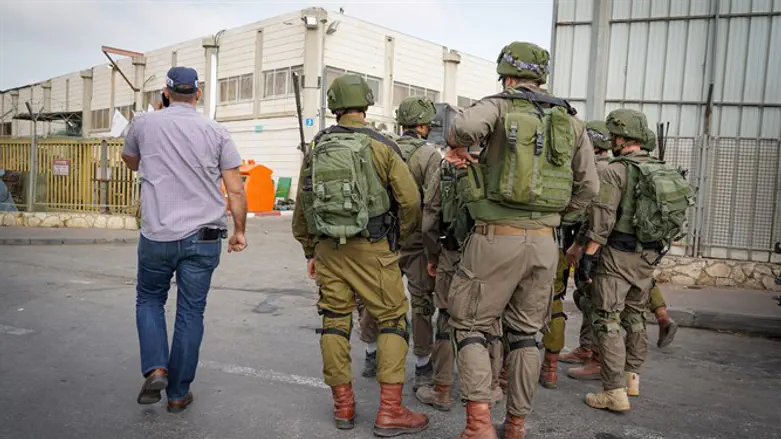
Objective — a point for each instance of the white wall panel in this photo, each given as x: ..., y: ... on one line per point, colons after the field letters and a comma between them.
x: 76, y: 92
x: 157, y: 64
x: 580, y: 57
x: 679, y: 8
x: 419, y: 63
x: 622, y: 9
x: 101, y: 86
x: 357, y: 46
x: 693, y: 72
x: 655, y: 61
x: 616, y: 73
x: 283, y: 45
x: 636, y: 62
x: 237, y: 53
x: 756, y: 60
x: 584, y: 11
x: 566, y: 10
x: 772, y: 82
x: 191, y: 54
x: 761, y: 5
x: 59, y: 92
x: 640, y: 8
x: 123, y: 94
x: 660, y: 8
x: 476, y: 77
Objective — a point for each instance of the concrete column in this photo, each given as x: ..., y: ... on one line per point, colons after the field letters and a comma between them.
x: 596, y: 84
x: 211, y: 47
x: 15, y: 108
x: 387, y: 81
x: 313, y: 67
x: 258, y: 78
x: 86, y: 103
x: 139, y: 70
x: 451, y: 59
x: 47, y: 105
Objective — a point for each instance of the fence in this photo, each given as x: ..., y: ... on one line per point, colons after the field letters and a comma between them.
x: 70, y: 176
x: 738, y: 212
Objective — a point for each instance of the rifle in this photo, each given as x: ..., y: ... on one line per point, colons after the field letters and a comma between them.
x: 297, y: 89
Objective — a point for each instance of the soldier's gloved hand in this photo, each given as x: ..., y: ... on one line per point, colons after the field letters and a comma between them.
x: 587, y: 265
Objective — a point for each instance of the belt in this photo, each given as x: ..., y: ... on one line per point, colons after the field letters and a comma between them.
x: 487, y: 229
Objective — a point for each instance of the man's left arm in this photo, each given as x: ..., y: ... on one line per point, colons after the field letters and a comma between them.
x: 585, y: 185
x: 131, y: 154
x: 431, y: 207
x: 471, y: 127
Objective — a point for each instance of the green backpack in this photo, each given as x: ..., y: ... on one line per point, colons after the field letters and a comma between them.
x: 455, y: 220
x: 345, y: 188
x: 661, y: 198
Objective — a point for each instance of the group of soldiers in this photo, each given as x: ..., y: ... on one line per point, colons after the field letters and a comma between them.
x: 486, y: 241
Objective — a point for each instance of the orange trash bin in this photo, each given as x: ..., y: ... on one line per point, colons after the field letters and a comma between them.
x: 258, y: 185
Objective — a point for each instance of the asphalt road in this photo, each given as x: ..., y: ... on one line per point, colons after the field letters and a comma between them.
x: 69, y: 364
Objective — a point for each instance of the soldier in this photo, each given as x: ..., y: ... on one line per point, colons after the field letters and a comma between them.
x: 624, y: 274
x: 553, y: 340
x: 347, y: 217
x: 536, y: 162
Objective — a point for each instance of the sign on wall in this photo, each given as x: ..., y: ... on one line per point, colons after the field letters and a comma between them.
x: 61, y: 167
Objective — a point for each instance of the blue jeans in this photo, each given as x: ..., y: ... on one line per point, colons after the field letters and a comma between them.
x: 193, y: 261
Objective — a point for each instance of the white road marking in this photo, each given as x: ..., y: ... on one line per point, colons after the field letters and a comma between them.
x: 264, y: 374
x: 5, y: 329
x: 82, y: 282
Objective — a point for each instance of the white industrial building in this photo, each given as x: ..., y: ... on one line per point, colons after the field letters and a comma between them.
x: 712, y: 69
x: 246, y: 74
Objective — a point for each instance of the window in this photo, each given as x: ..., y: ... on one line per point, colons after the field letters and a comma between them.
x: 152, y: 98
x: 235, y: 89
x: 464, y: 101
x: 127, y: 111
x: 375, y: 83
x: 278, y: 83
x: 402, y: 91
x: 5, y: 129
x: 101, y: 119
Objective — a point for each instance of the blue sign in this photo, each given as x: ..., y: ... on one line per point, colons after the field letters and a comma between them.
x: 258, y: 128
x: 310, y: 122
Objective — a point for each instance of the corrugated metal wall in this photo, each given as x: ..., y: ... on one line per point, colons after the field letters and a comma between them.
x: 659, y: 58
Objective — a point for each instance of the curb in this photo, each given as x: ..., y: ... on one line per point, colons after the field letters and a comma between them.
x: 66, y: 241
x: 765, y: 326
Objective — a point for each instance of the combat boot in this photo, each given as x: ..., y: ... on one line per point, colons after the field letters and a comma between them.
x: 393, y: 418
x: 589, y: 371
x: 580, y: 355
x: 424, y: 376
x: 632, y: 384
x: 370, y: 365
x: 615, y: 400
x: 667, y: 327
x: 514, y: 427
x: 344, y: 406
x: 437, y: 396
x: 478, y: 422
x: 549, y: 374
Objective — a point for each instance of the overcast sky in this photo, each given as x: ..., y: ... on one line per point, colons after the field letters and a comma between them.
x: 43, y: 39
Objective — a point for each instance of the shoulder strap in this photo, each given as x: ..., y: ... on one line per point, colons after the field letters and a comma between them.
x: 524, y: 93
x: 366, y: 131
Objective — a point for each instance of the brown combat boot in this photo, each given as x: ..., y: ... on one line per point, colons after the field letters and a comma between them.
x: 549, y: 373
x: 437, y: 396
x: 580, y: 355
x: 344, y: 406
x: 589, y: 371
x: 514, y: 427
x: 667, y: 327
x: 393, y: 418
x: 478, y: 422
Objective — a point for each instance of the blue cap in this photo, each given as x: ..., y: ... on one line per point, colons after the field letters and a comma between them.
x: 182, y: 80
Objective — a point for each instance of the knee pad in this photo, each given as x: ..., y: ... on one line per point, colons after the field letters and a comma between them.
x: 633, y: 322
x: 518, y: 340
x: 336, y: 324
x: 605, y: 322
x: 399, y: 326
x: 423, y: 305
x: 443, y: 332
x: 481, y: 339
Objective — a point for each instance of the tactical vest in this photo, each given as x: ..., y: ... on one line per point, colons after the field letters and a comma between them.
x: 343, y: 196
x: 531, y: 175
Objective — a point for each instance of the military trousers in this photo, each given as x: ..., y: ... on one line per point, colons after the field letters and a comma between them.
x: 553, y: 340
x: 504, y: 273
x: 620, y: 295
x: 421, y: 290
x: 443, y: 356
x: 371, y: 271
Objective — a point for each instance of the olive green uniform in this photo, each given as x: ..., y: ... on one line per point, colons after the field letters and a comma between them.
x: 620, y: 289
x: 508, y: 267
x: 422, y: 247
x: 367, y: 268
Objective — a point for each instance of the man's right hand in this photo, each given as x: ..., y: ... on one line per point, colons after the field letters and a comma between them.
x: 237, y: 242
x: 459, y: 157
x: 432, y: 269
x: 574, y: 253
x: 311, y: 268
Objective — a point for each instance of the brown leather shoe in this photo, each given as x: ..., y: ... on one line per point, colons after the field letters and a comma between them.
x: 589, y: 371
x: 156, y: 381
x: 344, y: 406
x: 478, y: 421
x: 393, y: 418
x: 579, y: 356
x: 437, y: 396
x: 514, y: 427
x: 549, y: 373
x: 181, y: 404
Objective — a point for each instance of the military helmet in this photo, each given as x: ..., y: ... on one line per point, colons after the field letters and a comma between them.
x: 650, y: 141
x: 523, y: 60
x: 598, y: 134
x: 349, y: 91
x: 629, y: 124
x: 415, y: 110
